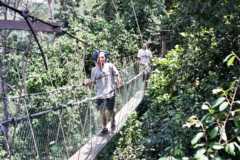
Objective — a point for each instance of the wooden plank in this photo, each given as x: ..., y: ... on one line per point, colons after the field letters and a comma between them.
x: 90, y: 150
x: 22, y: 25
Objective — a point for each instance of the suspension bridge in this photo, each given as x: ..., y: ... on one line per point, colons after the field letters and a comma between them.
x: 61, y: 122
x: 69, y: 128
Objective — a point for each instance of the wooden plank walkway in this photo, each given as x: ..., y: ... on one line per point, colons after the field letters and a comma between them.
x: 90, y: 150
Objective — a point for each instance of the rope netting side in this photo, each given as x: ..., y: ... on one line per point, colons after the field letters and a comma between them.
x: 68, y: 118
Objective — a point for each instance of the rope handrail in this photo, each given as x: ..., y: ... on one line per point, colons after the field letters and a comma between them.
x: 58, y: 89
x: 61, y: 106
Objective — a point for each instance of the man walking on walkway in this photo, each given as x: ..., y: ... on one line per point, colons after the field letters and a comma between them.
x: 106, y: 78
x: 144, y: 59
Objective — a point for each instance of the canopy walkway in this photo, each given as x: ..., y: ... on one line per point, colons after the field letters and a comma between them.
x: 69, y: 125
x: 60, y: 123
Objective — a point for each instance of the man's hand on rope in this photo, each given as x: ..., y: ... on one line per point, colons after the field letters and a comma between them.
x: 119, y: 83
x: 87, y: 82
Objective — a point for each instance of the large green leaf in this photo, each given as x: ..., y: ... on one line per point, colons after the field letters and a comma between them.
x: 228, y: 57
x: 230, y: 148
x: 231, y: 61
x: 197, y: 138
x: 237, y: 145
x: 217, y: 90
x: 223, y: 106
x: 205, y: 107
x: 213, y: 133
x: 200, y: 154
x: 238, y: 138
x: 217, y: 146
x: 237, y: 102
x: 219, y: 101
x: 199, y: 145
x: 167, y: 158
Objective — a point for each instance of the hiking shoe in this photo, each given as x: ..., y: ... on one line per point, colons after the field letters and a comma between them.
x: 104, y: 131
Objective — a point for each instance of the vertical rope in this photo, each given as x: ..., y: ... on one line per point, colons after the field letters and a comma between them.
x: 115, y: 6
x: 3, y: 130
x: 136, y: 19
x: 58, y: 131
x: 64, y: 138
x: 31, y: 128
x: 90, y: 125
x: 90, y: 106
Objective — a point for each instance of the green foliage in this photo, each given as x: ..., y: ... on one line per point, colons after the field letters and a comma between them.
x: 169, y: 107
x: 129, y: 145
x: 112, y: 37
x: 184, y: 79
x: 218, y: 127
x: 191, y: 81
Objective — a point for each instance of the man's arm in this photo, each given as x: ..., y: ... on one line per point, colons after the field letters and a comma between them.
x: 90, y: 82
x: 150, y: 57
x: 119, y: 81
x: 139, y: 56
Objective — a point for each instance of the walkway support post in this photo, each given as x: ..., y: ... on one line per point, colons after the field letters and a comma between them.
x: 3, y: 94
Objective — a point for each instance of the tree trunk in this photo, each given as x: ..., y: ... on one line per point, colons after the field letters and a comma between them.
x: 164, y: 44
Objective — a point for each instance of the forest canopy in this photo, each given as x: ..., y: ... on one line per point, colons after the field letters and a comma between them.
x: 191, y: 105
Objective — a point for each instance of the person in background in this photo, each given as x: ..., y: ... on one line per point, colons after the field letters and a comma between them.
x: 106, y: 78
x: 144, y: 58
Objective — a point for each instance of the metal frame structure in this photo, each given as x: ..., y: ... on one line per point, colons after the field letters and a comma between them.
x: 31, y: 23
x: 21, y: 25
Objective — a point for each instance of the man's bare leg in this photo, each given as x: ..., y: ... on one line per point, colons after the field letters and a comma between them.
x: 111, y: 115
x: 104, y: 121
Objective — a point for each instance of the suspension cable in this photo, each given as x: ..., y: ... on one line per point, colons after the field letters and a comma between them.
x: 114, y: 5
x: 135, y: 16
x: 136, y: 19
